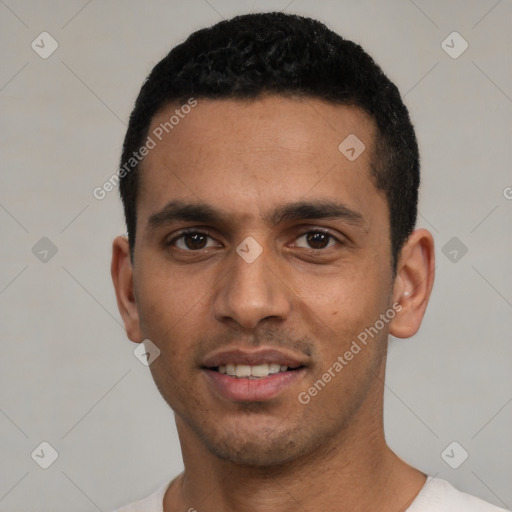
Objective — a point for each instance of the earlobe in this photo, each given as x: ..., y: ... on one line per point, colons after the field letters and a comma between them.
x: 122, y: 277
x: 413, y: 283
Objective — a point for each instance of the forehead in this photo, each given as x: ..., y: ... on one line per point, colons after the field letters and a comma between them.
x: 244, y: 153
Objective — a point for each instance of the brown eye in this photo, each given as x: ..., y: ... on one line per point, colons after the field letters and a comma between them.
x: 318, y: 239
x: 191, y: 241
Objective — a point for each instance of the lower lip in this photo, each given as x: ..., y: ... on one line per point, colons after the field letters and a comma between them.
x: 252, y: 390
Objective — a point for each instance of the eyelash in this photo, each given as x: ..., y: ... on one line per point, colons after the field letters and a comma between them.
x: 193, y: 231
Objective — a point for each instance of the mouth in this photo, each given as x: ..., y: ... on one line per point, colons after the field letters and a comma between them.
x: 238, y: 375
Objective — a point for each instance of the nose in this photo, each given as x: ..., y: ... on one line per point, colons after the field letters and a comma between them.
x: 252, y: 291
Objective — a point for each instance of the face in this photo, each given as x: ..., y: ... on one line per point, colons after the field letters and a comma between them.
x: 255, y: 233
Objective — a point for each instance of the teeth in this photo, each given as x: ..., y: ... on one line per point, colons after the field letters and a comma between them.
x: 243, y: 370
x: 260, y: 370
x: 247, y: 371
x: 274, y: 368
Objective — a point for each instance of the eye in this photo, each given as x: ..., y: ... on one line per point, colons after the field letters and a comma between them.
x: 194, y: 240
x: 191, y: 241
x: 318, y: 239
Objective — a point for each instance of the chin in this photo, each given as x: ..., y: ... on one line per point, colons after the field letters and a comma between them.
x: 252, y: 455
x: 260, y: 449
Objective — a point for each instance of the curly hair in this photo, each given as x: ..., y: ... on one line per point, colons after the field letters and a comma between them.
x: 253, y: 55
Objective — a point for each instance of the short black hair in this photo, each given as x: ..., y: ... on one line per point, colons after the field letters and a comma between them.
x: 253, y: 55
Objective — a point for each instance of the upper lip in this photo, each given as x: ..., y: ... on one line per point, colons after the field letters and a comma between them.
x: 252, y: 358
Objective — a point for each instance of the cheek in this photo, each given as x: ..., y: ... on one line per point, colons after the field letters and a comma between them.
x: 345, y: 301
x: 162, y: 292
x: 348, y: 355
x: 343, y: 307
x: 163, y: 303
x: 169, y: 316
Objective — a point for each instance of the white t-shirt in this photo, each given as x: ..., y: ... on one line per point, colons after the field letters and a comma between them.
x: 437, y: 495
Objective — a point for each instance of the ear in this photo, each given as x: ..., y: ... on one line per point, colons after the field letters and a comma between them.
x: 122, y: 277
x: 413, y: 283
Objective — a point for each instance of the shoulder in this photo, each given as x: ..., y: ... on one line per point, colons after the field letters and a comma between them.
x: 438, y: 495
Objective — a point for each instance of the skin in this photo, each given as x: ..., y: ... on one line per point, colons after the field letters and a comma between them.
x: 246, y: 158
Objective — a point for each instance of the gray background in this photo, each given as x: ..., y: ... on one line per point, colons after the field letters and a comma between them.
x: 68, y: 373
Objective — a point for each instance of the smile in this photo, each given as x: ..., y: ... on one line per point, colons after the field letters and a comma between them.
x: 259, y: 371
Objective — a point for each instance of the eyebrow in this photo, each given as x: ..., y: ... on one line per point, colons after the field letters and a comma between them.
x: 301, y: 210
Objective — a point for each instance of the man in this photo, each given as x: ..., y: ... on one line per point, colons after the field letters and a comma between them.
x: 269, y: 179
